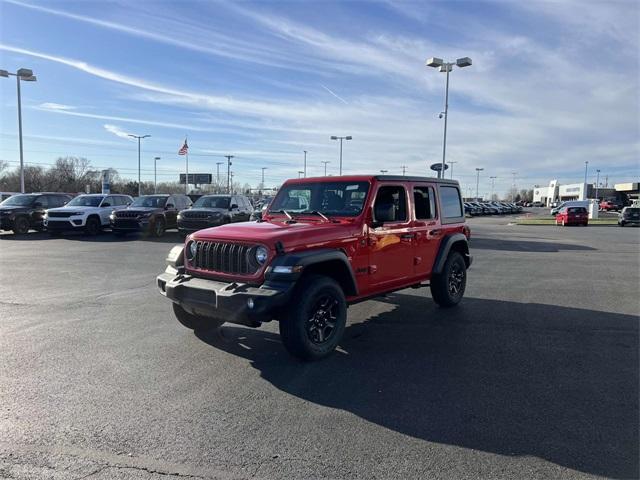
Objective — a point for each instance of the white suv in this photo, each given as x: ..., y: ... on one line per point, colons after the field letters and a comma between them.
x: 89, y: 213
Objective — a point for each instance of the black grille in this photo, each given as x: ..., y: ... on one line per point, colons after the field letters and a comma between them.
x: 127, y: 214
x: 201, y: 215
x: 126, y: 223
x: 224, y: 258
x: 59, y: 214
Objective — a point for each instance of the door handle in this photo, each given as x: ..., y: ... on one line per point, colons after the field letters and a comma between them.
x: 407, y: 236
x: 435, y: 233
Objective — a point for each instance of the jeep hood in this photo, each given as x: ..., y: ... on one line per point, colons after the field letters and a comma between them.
x: 67, y: 208
x: 292, y: 235
x: 15, y: 209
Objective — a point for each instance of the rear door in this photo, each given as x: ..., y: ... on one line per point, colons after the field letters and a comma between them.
x: 427, y: 233
x: 390, y: 242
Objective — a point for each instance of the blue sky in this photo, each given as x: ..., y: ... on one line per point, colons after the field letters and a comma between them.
x: 552, y: 85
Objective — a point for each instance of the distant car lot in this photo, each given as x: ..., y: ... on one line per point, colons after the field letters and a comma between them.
x: 98, y: 376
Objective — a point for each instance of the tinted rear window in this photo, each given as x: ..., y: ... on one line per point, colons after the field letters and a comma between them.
x: 450, y: 202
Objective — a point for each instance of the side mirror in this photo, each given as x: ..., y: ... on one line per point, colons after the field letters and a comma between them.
x: 169, y: 206
x: 233, y: 206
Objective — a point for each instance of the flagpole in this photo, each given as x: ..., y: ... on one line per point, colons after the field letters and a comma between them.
x: 186, y: 180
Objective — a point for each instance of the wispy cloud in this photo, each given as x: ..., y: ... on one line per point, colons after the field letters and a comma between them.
x: 117, y: 131
x: 55, y: 106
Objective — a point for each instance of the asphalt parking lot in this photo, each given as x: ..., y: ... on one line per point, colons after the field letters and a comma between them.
x: 534, y: 375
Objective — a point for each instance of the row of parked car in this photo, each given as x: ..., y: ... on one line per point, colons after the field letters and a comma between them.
x: 491, y: 208
x: 58, y: 213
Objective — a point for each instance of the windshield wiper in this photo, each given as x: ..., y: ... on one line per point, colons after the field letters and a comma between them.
x: 285, y: 212
x: 320, y: 214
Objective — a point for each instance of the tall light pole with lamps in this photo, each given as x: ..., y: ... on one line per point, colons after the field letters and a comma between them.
x: 22, y: 75
x: 451, y: 162
x: 493, y: 179
x: 155, y: 178
x: 597, y: 181
x: 305, y: 163
x: 229, y: 174
x: 140, y: 137
x: 478, y: 170
x: 348, y: 137
x: 446, y: 67
x: 325, y: 166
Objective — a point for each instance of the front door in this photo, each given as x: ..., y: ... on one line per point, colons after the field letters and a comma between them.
x: 390, y: 239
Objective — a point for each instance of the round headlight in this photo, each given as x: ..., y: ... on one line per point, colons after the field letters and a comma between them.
x: 261, y: 255
x: 192, y: 250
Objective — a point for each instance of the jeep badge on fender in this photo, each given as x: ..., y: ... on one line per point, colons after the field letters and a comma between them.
x: 323, y: 244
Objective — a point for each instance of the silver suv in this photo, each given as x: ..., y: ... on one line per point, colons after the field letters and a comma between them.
x: 88, y: 213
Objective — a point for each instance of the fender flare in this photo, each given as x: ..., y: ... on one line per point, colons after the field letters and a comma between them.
x: 307, y: 259
x: 445, y: 247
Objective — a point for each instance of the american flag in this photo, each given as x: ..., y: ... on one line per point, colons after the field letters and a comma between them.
x: 185, y: 148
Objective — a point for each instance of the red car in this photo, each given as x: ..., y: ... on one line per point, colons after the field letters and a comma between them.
x: 323, y: 244
x: 572, y: 216
x: 608, y: 205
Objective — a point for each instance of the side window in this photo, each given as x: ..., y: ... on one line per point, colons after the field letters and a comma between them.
x: 451, y: 205
x: 110, y: 201
x: 425, y: 204
x: 44, y: 202
x: 390, y: 205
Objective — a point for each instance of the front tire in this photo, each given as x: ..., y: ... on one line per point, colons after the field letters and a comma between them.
x: 314, y: 325
x: 158, y: 228
x: 195, y: 322
x: 21, y: 226
x: 447, y: 287
x: 92, y: 227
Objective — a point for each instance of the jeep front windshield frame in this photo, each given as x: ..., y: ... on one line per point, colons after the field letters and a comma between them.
x: 331, y: 198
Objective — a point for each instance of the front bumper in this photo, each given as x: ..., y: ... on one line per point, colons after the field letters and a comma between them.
x: 64, y: 224
x: 6, y: 223
x: 221, y: 300
x: 130, y: 225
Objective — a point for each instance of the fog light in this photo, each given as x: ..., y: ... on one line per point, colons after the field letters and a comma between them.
x: 250, y: 304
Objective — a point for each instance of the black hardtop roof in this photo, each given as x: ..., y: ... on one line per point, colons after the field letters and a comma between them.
x: 400, y: 178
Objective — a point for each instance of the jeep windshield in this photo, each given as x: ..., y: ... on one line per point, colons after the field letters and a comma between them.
x: 19, y: 201
x: 85, y: 201
x: 150, y: 202
x: 212, y: 202
x: 341, y: 199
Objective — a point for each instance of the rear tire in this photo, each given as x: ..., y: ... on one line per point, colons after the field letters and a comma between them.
x: 315, y: 323
x: 447, y: 288
x: 195, y: 322
x: 20, y: 226
x: 92, y: 227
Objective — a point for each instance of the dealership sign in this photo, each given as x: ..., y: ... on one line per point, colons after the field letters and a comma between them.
x: 197, y: 178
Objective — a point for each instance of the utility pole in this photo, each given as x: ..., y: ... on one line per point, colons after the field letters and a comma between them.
x: 597, y: 180
x: 493, y: 179
x: 451, y: 162
x: 140, y: 137
x: 404, y: 169
x: 513, y: 187
x: 325, y: 166
x: 155, y: 178
x: 478, y: 170
x: 305, y: 163
x: 229, y: 175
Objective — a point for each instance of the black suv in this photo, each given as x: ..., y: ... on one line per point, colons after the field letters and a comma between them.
x: 214, y: 210
x: 149, y: 214
x: 23, y: 211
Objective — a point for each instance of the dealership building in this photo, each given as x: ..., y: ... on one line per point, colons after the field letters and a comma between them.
x: 556, y: 192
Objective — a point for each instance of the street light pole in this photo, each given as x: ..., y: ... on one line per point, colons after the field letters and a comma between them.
x: 597, y: 181
x: 140, y: 137
x: 478, y: 170
x: 451, y: 162
x: 493, y: 179
x: 334, y: 137
x: 325, y: 166
x: 24, y: 75
x: 218, y: 173
x: 262, y: 184
x: 155, y: 178
x: 300, y: 172
x: 229, y: 157
x: 305, y: 163
x: 446, y: 67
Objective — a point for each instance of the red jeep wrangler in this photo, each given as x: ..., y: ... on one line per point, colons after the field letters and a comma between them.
x: 322, y: 244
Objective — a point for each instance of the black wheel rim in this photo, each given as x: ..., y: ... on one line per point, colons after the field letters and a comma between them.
x: 159, y: 228
x: 323, y: 318
x: 23, y: 226
x: 456, y: 279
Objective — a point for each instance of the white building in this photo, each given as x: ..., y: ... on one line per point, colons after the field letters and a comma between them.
x: 557, y: 192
